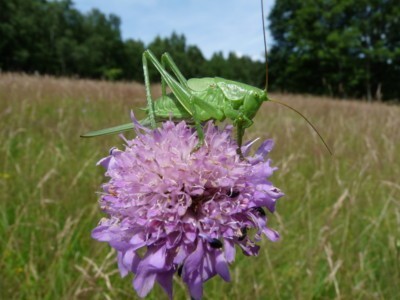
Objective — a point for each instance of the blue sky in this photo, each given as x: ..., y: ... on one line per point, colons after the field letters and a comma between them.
x: 212, y: 25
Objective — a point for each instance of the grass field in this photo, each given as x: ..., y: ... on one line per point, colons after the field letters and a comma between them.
x: 339, y: 220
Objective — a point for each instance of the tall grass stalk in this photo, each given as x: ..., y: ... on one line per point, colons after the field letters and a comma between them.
x: 339, y: 220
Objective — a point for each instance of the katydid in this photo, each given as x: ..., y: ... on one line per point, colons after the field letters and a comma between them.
x: 199, y: 99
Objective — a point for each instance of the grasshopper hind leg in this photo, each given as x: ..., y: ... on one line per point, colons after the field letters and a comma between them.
x: 180, y: 90
x: 150, y: 101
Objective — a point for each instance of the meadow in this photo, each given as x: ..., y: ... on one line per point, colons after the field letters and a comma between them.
x: 339, y: 220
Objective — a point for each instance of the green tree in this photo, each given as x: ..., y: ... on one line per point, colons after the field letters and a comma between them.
x: 217, y: 66
x: 132, y: 66
x: 175, y: 45
x: 53, y: 37
x: 342, y: 48
x: 195, y: 62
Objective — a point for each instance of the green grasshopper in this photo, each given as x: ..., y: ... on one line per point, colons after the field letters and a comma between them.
x: 199, y: 100
x: 196, y: 99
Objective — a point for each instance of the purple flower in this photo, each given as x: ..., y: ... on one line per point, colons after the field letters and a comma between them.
x: 171, y: 210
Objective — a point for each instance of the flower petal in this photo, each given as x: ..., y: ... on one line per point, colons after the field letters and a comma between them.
x: 229, y: 247
x: 222, y: 266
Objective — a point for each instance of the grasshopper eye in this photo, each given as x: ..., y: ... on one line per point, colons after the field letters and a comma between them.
x: 255, y: 95
x: 263, y: 96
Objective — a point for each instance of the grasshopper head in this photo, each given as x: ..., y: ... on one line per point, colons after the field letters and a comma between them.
x: 253, y: 103
x: 260, y: 95
x: 263, y: 95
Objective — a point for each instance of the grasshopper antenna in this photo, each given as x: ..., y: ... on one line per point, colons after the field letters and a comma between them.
x: 265, y: 45
x: 266, y: 83
x: 309, y: 123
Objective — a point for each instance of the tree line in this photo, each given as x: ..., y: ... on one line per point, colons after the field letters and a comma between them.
x: 341, y: 48
x: 53, y: 37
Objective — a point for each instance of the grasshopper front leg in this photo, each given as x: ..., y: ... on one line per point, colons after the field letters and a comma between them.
x: 239, y: 139
x: 241, y: 124
x: 150, y: 102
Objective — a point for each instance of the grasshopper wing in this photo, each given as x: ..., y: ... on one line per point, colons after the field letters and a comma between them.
x: 200, y: 84
x: 231, y: 91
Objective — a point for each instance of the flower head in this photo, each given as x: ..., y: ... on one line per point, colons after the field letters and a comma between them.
x: 171, y: 210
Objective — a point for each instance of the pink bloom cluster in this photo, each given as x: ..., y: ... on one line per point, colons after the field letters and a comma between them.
x: 171, y: 210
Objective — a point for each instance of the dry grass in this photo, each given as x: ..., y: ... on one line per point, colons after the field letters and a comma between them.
x: 339, y: 220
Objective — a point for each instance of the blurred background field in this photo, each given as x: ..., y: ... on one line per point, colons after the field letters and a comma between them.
x: 339, y: 220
